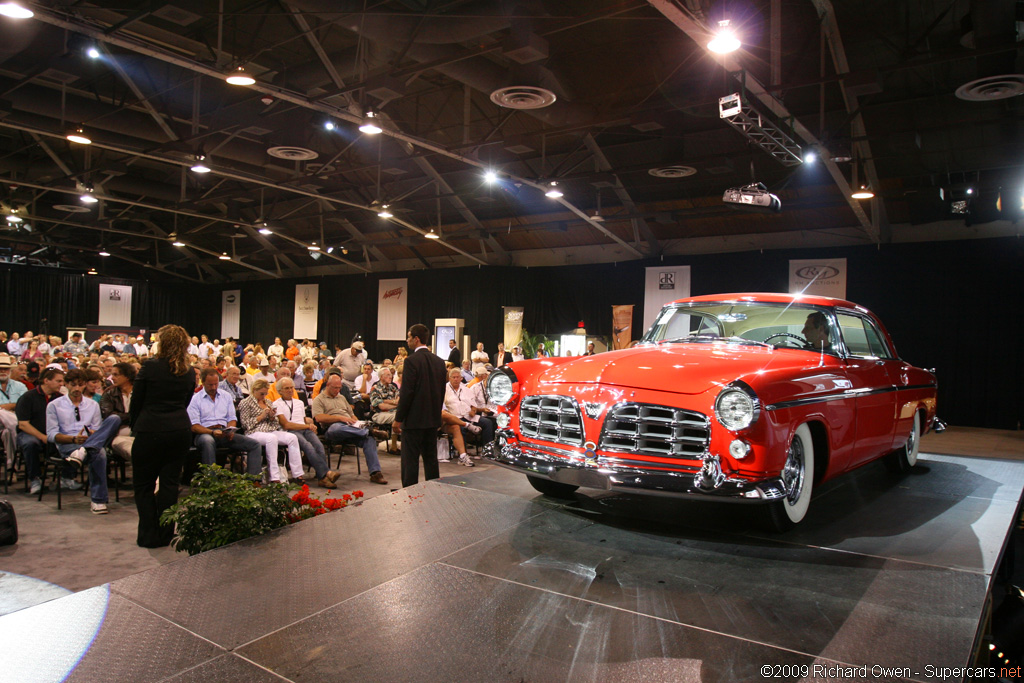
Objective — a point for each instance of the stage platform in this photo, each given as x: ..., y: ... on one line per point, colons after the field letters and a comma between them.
x: 478, y: 578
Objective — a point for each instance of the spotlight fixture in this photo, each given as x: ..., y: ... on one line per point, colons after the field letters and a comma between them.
x: 863, y: 193
x: 224, y: 256
x: 78, y: 136
x: 240, y: 77
x: 93, y: 52
x: 87, y: 196
x: 200, y: 165
x: 724, y: 40
x: 490, y: 177
x: 344, y: 249
x: 13, y: 217
x: 432, y: 235
x: 810, y: 157
x: 92, y: 271
x: 597, y: 217
x: 313, y: 247
x: 265, y: 230
x: 329, y: 125
x: 104, y: 252
x: 13, y: 10
x: 384, y: 213
x: 970, y: 190
x: 553, y: 191
x: 330, y: 250
x: 178, y: 243
x: 371, y: 125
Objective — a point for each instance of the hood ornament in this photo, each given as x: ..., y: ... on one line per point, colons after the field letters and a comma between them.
x: 593, y: 410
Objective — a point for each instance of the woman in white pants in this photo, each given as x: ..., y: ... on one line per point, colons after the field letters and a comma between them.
x: 260, y: 422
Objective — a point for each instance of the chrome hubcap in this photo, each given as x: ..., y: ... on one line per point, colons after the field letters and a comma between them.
x: 793, y: 471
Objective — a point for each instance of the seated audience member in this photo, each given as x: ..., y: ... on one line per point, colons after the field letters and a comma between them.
x: 517, y: 353
x: 291, y: 414
x: 193, y: 347
x: 476, y: 395
x: 30, y: 376
x: 117, y: 400
x: 308, y: 378
x: 272, y: 395
x: 10, y: 391
x: 590, y: 349
x: 457, y: 402
x: 264, y: 371
x: 334, y: 413
x: 216, y: 348
x: 14, y: 346
x: 212, y: 413
x: 252, y: 364
x: 466, y: 373
x: 323, y: 352
x: 453, y: 426
x: 260, y: 421
x: 233, y: 384
x: 479, y: 357
x: 276, y: 349
x: 364, y: 384
x: 384, y: 402
x: 292, y: 350
x: 322, y: 368
x: 319, y: 386
x: 93, y: 384
x: 31, y: 438
x: 141, y: 350
x: 75, y: 345
x: 272, y: 367
x: 31, y: 351
x: 402, y: 354
x: 74, y: 424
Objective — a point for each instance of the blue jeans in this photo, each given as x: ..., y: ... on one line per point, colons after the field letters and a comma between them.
x: 207, y: 446
x: 339, y: 432
x: 487, y: 426
x: 33, y: 449
x: 96, y: 456
x: 314, y: 452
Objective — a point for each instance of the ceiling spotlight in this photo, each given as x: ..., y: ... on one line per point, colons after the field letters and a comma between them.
x: 863, y: 193
x: 265, y: 230
x: 432, y: 235
x: 970, y: 190
x: 491, y: 177
x: 87, y: 197
x: 597, y: 217
x: 371, y: 125
x: 330, y: 250
x: 329, y: 125
x: 93, y: 53
x: 224, y: 256
x: 104, y: 252
x: 92, y: 271
x: 553, y: 191
x: 78, y: 136
x: 344, y: 249
x: 240, y: 77
x: 313, y: 247
x: 13, y: 10
x: 178, y: 243
x: 13, y: 216
x: 200, y: 165
x: 810, y: 157
x: 725, y: 40
x: 384, y: 213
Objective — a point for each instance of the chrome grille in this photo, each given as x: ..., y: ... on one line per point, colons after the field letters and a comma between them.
x: 655, y: 430
x: 551, y: 418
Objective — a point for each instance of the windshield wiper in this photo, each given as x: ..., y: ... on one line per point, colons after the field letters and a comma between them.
x: 705, y: 338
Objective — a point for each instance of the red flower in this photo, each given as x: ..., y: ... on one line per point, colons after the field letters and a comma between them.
x: 357, y: 494
x: 315, y: 503
x: 346, y: 497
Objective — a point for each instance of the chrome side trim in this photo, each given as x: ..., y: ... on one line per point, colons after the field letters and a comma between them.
x: 848, y: 393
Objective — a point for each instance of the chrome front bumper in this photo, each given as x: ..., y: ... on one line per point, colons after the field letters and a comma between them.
x: 708, y: 481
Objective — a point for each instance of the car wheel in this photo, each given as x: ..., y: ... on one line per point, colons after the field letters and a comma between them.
x: 552, y: 488
x: 798, y: 474
x: 905, y: 457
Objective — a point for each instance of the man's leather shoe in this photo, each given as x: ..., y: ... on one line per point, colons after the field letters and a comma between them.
x: 332, y: 476
x: 378, y: 478
x: 327, y: 483
x: 379, y: 435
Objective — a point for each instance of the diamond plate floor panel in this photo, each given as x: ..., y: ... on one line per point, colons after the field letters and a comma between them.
x: 229, y: 668
x: 234, y: 594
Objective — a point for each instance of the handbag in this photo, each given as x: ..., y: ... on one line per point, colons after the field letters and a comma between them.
x: 442, y: 449
x: 8, y: 524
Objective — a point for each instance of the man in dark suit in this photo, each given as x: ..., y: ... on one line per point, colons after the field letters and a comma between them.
x: 454, y: 355
x: 420, y: 402
x: 502, y: 357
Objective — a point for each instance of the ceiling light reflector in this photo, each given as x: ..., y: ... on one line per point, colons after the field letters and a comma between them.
x: 553, y: 191
x: 725, y: 40
x: 240, y: 77
x: 371, y: 125
x: 78, y: 136
x: 13, y: 10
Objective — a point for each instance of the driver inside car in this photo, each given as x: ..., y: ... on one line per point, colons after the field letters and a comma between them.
x: 816, y: 332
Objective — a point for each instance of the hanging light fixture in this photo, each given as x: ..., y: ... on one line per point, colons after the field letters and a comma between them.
x: 92, y: 271
x: 200, y: 164
x: 13, y: 10
x: 432, y: 235
x: 371, y: 124
x: 265, y: 230
x: 384, y: 213
x: 87, y: 196
x: 553, y: 191
x: 104, y: 252
x: 724, y: 40
x: 313, y: 247
x: 224, y: 256
x: 240, y: 77
x: 490, y: 177
x: 78, y: 136
x: 863, y: 192
x: 178, y: 243
x: 13, y: 217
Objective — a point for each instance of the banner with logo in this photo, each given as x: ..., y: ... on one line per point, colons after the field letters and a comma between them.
x: 230, y: 307
x: 307, y: 298
x: 513, y: 317
x: 392, y: 304
x: 821, y: 277
x: 115, y: 305
x: 661, y: 286
x: 622, y: 327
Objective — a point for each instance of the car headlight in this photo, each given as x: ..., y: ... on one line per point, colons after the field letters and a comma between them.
x: 499, y: 387
x: 736, y: 408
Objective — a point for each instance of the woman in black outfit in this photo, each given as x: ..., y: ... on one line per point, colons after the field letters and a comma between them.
x: 163, y: 432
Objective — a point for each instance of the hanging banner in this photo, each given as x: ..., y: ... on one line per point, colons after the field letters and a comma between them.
x: 392, y: 303
x: 622, y: 326
x: 513, y: 317
x: 663, y: 285
x: 115, y: 305
x: 306, y: 306
x: 230, y: 306
x: 821, y: 277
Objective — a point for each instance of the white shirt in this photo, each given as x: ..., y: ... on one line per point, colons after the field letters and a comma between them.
x: 276, y: 350
x: 204, y: 350
x: 44, y: 348
x: 216, y: 349
x: 479, y: 359
x: 140, y: 350
x: 295, y: 412
x: 517, y: 356
x: 475, y: 396
x: 193, y: 350
x: 456, y: 401
x: 14, y: 347
x: 360, y: 380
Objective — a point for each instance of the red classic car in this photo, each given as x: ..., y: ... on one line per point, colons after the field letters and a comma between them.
x: 744, y: 397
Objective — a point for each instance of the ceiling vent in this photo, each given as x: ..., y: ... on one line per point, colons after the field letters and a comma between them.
x: 70, y: 208
x: 523, y: 97
x: 175, y: 15
x: 992, y: 88
x: 258, y: 131
x: 318, y: 168
x: 672, y: 171
x: 292, y: 153
x: 519, y: 149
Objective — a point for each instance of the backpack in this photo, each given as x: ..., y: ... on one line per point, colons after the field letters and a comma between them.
x: 8, y: 524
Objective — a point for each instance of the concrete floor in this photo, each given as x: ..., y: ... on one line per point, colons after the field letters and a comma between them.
x: 74, y: 549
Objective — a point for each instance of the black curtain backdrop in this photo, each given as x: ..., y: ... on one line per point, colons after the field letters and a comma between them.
x: 954, y: 306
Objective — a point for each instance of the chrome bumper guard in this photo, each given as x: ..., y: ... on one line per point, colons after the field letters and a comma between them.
x: 709, y: 481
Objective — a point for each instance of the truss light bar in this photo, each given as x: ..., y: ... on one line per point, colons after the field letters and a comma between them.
x: 178, y: 243
x: 863, y: 193
x: 759, y: 130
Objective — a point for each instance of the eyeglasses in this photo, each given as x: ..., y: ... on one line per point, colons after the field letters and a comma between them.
x: 78, y: 415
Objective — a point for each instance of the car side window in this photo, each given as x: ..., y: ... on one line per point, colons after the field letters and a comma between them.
x: 861, y: 337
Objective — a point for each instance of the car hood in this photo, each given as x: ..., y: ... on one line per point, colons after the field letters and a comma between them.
x: 686, y: 368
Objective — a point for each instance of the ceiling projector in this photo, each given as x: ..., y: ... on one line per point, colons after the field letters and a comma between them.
x: 753, y: 197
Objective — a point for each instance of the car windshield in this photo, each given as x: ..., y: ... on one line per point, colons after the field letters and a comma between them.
x: 780, y: 325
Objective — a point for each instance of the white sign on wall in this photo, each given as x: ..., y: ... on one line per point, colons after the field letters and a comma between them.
x: 230, y: 307
x: 820, y: 277
x: 307, y: 303
x: 392, y: 303
x: 115, y: 305
x: 662, y: 285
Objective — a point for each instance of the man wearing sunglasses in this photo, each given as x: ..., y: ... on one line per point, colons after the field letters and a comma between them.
x: 74, y: 425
